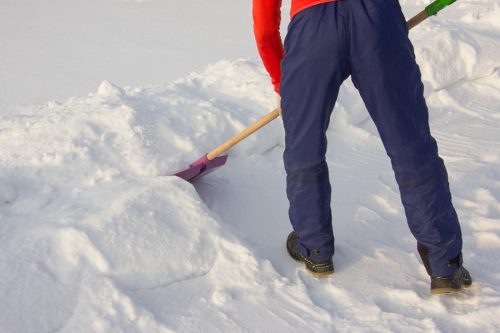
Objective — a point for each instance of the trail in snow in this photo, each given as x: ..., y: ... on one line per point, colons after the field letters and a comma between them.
x: 95, y: 236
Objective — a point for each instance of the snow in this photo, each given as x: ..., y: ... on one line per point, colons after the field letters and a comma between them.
x: 95, y: 236
x: 51, y: 50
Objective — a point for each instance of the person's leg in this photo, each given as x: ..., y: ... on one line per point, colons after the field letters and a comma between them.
x: 389, y: 81
x: 315, y: 64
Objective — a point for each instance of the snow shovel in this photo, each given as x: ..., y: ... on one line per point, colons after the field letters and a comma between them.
x: 211, y: 161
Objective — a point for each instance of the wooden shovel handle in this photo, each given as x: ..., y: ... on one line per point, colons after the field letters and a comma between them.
x: 432, y: 9
x: 243, y: 134
x: 417, y: 19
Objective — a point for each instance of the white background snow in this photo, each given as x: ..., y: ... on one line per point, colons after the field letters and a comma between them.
x: 102, y: 100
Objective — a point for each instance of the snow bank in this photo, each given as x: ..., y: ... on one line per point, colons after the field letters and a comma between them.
x: 88, y: 212
x: 457, y: 45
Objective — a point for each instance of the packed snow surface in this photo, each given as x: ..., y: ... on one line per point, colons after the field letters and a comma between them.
x: 97, y: 236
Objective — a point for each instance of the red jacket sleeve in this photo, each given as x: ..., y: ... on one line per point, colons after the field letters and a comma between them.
x: 266, y: 20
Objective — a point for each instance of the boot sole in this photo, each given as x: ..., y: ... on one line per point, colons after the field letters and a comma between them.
x: 320, y: 275
x: 438, y: 291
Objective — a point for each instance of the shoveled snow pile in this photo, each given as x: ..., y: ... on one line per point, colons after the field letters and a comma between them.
x: 96, y: 236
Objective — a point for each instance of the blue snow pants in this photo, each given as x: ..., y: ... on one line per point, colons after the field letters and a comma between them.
x: 367, y: 40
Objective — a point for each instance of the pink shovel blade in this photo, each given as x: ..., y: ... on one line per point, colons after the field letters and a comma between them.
x: 201, y: 167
